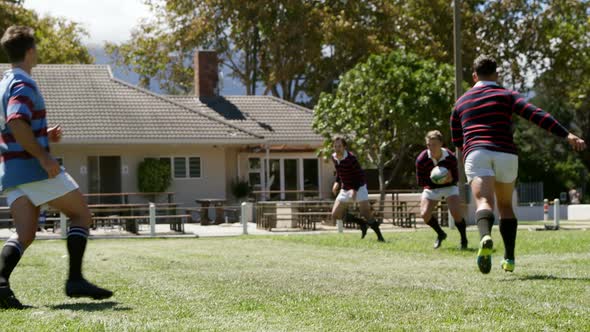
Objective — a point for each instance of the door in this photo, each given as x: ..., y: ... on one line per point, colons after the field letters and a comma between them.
x: 291, y: 179
x: 104, y: 176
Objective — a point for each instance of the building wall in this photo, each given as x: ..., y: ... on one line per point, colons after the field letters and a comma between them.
x: 231, y: 170
x: 212, y: 184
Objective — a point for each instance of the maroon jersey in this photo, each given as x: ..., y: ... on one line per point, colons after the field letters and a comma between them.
x: 482, y: 119
x: 349, y: 173
x: 425, y: 164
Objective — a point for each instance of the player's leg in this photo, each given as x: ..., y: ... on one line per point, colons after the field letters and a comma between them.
x: 427, y: 205
x: 483, y: 192
x: 504, y: 187
x: 365, y: 209
x: 25, y: 216
x: 363, y: 225
x: 338, y: 209
x: 508, y: 223
x: 479, y: 169
x: 362, y: 197
x: 74, y: 206
x: 454, y: 204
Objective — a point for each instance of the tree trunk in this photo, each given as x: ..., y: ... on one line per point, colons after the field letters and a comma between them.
x: 381, y: 169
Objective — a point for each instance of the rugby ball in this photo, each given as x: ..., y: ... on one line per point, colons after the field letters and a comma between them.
x: 438, y: 174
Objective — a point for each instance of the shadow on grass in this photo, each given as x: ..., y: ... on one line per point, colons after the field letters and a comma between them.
x: 90, y: 306
x: 458, y: 250
x: 545, y: 277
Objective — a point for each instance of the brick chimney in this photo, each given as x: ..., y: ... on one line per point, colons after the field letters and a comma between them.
x: 206, y: 73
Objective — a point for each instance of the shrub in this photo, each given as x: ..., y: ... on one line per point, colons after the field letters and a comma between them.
x: 153, y: 175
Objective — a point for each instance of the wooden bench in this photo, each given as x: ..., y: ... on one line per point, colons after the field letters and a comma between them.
x: 268, y: 221
x: 131, y: 223
x: 400, y: 214
x: 308, y: 220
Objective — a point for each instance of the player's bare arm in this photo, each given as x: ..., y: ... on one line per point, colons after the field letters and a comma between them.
x: 25, y: 137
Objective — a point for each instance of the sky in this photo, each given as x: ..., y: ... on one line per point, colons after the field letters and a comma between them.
x: 105, y: 20
x: 112, y: 20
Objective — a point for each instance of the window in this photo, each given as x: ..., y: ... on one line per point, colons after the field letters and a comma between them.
x: 179, y: 167
x: 311, y: 183
x: 254, y: 164
x: 255, y: 173
x: 194, y: 167
x: 183, y: 167
x: 187, y: 167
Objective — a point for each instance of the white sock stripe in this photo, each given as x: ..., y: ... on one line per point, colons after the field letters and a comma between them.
x: 15, y: 244
x: 78, y: 229
x: 15, y: 241
x: 77, y: 234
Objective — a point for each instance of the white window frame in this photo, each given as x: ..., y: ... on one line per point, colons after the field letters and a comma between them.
x: 187, y: 169
x: 257, y: 170
x: 282, y: 171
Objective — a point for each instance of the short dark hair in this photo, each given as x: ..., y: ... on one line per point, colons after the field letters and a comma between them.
x: 341, y: 139
x: 16, y: 41
x: 484, y: 65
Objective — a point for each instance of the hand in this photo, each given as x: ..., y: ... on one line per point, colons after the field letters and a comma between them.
x: 51, y: 166
x: 54, y: 134
x: 335, y: 188
x: 577, y: 143
x: 448, y: 178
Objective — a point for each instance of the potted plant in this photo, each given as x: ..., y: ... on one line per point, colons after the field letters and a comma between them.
x: 240, y: 189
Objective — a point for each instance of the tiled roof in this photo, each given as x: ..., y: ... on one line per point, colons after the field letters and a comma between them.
x: 275, y: 119
x: 92, y: 106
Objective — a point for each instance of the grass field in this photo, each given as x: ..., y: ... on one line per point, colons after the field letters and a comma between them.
x: 310, y: 283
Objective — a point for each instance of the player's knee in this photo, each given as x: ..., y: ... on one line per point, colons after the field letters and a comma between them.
x: 26, y: 239
x: 506, y: 211
x: 424, y: 214
x: 336, y: 215
x: 456, y: 215
x: 80, y: 218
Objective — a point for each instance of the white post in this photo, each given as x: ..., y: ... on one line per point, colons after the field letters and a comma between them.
x: 545, y: 209
x: 63, y: 225
x: 244, y: 218
x: 152, y: 219
x: 340, y: 225
x: 556, y: 213
x: 450, y: 219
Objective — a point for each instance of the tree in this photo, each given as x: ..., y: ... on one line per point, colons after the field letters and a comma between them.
x: 294, y: 48
x: 58, y: 40
x: 384, y: 106
x: 258, y: 40
x: 561, y: 89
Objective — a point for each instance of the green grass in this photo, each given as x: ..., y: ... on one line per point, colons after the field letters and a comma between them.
x: 310, y: 283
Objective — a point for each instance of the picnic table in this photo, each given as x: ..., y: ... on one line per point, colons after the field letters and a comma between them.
x: 205, y: 203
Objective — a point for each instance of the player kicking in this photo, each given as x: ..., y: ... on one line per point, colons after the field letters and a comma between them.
x: 351, y: 186
x: 436, y: 155
x: 30, y: 176
x: 481, y: 124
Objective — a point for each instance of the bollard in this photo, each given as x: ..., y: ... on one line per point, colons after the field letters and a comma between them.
x: 556, y: 213
x: 340, y: 225
x: 450, y: 219
x: 63, y: 225
x: 152, y: 219
x: 244, y: 218
x: 546, y: 209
